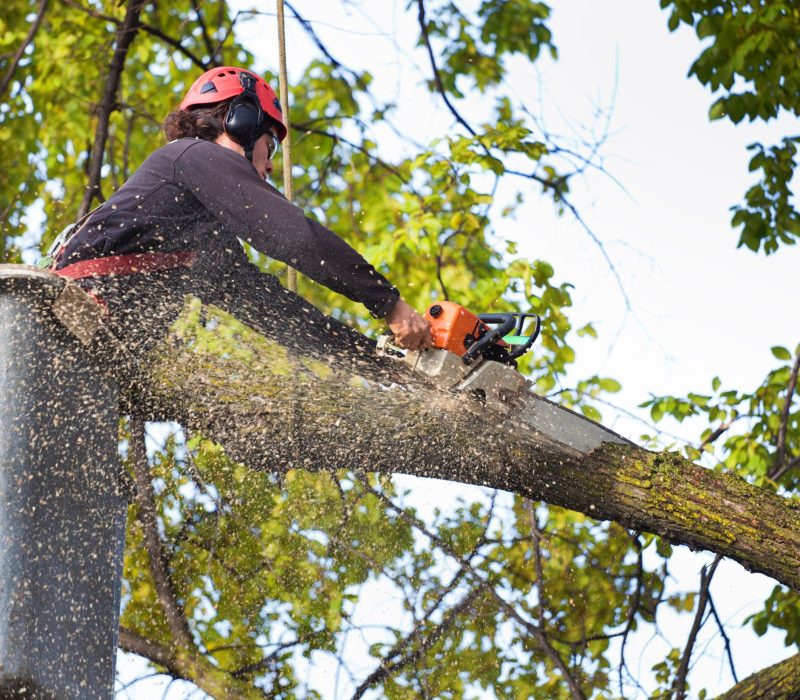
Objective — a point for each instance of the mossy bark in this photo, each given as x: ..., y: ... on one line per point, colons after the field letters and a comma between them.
x: 778, y: 682
x: 278, y: 407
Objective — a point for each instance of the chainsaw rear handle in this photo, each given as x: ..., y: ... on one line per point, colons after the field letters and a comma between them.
x: 505, y: 324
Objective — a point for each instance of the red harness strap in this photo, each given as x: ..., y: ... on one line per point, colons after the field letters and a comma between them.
x: 126, y: 264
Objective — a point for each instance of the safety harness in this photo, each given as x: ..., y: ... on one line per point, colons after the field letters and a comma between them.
x: 114, y: 265
x: 110, y: 265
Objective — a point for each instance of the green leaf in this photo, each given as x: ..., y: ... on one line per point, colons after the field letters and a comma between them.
x: 781, y: 353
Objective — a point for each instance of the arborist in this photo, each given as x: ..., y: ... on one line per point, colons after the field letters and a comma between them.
x: 175, y: 227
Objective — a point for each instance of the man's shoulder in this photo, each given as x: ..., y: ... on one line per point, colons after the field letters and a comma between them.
x: 180, y: 147
x: 192, y: 154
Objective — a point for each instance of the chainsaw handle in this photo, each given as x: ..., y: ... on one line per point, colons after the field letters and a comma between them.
x: 506, y: 324
x: 522, y: 349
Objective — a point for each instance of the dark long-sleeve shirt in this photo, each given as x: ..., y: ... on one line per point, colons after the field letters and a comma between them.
x: 197, y: 195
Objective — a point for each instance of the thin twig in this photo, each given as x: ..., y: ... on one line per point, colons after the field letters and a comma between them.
x: 436, y: 74
x: 264, y: 663
x: 203, y: 29
x: 725, y: 637
x: 632, y: 610
x: 556, y: 185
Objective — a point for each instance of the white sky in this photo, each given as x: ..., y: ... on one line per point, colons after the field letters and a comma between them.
x: 700, y: 307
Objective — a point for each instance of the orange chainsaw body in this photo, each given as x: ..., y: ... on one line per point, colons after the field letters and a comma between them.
x: 453, y: 327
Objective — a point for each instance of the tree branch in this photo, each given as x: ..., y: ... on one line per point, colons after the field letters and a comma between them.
x: 679, y: 684
x: 436, y: 75
x: 206, y: 38
x: 536, y: 633
x: 176, y: 620
x: 780, y: 456
x: 124, y: 37
x: 17, y: 57
x: 647, y: 492
x: 725, y: 637
x: 432, y: 634
x: 715, y: 434
x: 134, y: 643
x: 632, y: 610
x: 176, y: 44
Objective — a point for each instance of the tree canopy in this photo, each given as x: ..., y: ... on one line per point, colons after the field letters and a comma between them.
x: 236, y: 579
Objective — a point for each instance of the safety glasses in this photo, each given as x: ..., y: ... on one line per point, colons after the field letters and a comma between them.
x: 273, y: 144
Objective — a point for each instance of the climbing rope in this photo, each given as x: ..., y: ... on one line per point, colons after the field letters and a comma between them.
x: 291, y: 278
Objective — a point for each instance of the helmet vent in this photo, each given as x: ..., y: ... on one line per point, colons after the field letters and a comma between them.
x: 208, y: 87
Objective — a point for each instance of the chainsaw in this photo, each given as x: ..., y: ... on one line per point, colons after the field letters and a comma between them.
x: 476, y: 355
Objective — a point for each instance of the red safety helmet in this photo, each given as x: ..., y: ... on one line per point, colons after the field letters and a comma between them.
x: 220, y: 84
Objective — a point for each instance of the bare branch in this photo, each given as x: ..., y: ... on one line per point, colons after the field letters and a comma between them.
x: 12, y: 68
x: 556, y: 185
x: 315, y: 38
x: 437, y: 77
x: 725, y: 637
x: 679, y: 684
x: 632, y: 610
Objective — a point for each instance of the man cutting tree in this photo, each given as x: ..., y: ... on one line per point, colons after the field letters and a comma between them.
x: 173, y: 228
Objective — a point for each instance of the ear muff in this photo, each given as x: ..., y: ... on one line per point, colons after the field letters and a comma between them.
x: 244, y: 120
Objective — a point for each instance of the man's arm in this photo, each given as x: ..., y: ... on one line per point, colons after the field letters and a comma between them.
x: 229, y: 187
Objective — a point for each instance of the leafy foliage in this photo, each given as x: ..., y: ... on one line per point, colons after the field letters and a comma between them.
x: 751, y: 57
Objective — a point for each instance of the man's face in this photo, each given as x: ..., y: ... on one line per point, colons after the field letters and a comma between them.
x: 261, y: 155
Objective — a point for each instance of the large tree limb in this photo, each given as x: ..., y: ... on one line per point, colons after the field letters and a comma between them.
x: 778, y: 682
x: 417, y: 430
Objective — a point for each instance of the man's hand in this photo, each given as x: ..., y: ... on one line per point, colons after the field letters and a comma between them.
x: 410, y: 330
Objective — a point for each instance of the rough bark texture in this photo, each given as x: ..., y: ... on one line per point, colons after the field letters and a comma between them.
x: 277, y: 407
x: 778, y: 682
